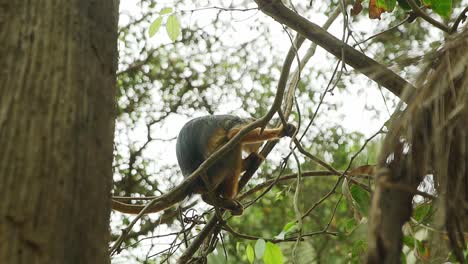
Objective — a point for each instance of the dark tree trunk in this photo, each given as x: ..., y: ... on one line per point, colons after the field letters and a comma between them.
x: 57, y: 87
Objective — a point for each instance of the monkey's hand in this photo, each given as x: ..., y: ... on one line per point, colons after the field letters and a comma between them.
x: 232, y: 205
x: 288, y: 130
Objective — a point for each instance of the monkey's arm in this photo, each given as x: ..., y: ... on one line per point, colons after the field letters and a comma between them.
x: 257, y: 135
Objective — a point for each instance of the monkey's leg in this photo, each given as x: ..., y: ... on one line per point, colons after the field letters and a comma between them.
x: 233, y: 166
x: 212, y: 196
x: 253, y: 158
x: 257, y: 135
x: 229, y: 187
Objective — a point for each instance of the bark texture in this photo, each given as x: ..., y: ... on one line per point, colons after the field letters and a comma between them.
x: 429, y: 137
x: 57, y: 88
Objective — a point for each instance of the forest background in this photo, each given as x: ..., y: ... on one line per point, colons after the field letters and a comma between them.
x: 228, y: 59
x: 93, y: 94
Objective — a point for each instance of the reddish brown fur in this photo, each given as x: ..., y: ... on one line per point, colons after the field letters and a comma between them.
x: 223, y: 176
x: 229, y: 175
x: 230, y: 185
x: 257, y: 135
x: 216, y: 141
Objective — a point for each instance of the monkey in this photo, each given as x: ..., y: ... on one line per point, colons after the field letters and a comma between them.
x: 201, y: 137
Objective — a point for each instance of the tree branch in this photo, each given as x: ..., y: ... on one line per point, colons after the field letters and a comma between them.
x: 461, y: 17
x: 213, y: 223
x: 369, y: 67
x: 285, y: 178
x: 426, y: 17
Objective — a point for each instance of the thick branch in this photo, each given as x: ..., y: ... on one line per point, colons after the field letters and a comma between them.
x: 369, y: 67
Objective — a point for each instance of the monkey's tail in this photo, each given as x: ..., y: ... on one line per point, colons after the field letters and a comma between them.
x: 158, y: 204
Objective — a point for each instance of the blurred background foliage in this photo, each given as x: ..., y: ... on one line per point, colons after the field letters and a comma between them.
x: 228, y: 61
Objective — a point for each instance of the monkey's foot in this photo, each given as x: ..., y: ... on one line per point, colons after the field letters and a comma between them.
x: 232, y: 205
x: 238, y: 210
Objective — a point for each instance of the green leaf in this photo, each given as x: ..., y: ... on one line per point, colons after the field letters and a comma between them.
x: 259, y: 248
x: 238, y: 245
x: 361, y: 197
x: 250, y: 253
x: 172, y: 27
x: 273, y: 254
x: 404, y: 4
x: 442, y: 7
x: 279, y: 196
x: 421, y: 211
x: 403, y: 258
x: 165, y: 11
x: 289, y: 227
x: 154, y: 27
x: 388, y: 5
x: 421, y: 247
x: 408, y: 241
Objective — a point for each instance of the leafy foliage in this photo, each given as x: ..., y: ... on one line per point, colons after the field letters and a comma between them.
x: 362, y: 198
x: 172, y: 24
x: 441, y: 7
x: 377, y: 7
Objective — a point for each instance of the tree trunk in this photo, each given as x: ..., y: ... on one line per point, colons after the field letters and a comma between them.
x: 57, y: 88
x: 430, y: 137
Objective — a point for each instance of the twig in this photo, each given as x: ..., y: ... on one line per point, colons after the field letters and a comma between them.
x: 342, y: 175
x: 284, y: 77
x: 372, y: 69
x: 333, y: 213
x: 461, y: 17
x: 275, y: 240
x: 196, y: 243
x: 297, y: 210
x: 179, y: 191
x: 382, y: 32
x: 265, y: 151
x: 267, y: 183
x: 310, y: 52
x: 426, y: 17
x: 219, y: 8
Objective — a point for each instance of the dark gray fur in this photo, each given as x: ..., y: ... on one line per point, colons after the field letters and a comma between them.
x: 194, y: 136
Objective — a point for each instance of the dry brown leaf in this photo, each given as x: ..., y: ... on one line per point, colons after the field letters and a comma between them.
x: 357, y: 8
x: 374, y: 11
x: 363, y: 170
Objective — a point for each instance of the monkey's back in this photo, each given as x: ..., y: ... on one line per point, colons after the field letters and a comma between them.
x: 196, y: 137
